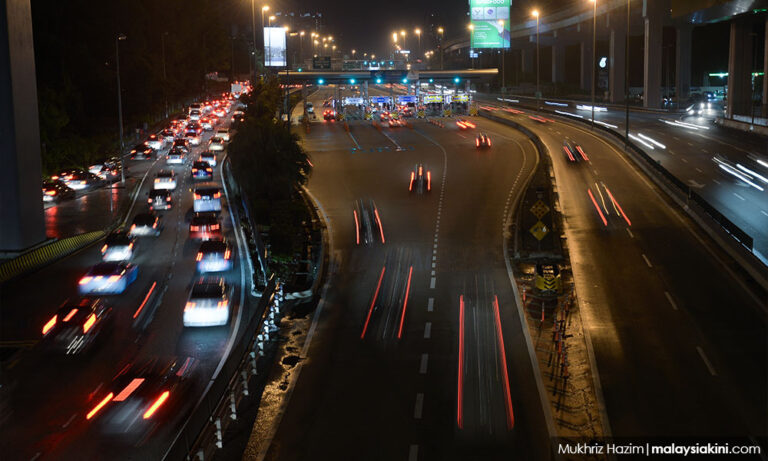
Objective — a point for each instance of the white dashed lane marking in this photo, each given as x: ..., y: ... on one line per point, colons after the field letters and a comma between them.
x: 430, y: 304
x: 427, y: 330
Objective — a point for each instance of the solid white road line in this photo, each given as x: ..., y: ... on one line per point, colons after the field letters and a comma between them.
x: 671, y: 301
x: 419, y: 406
x: 427, y: 330
x: 430, y: 304
x: 647, y: 261
x: 413, y: 453
x: 423, y: 364
x: 706, y: 361
x: 631, y: 235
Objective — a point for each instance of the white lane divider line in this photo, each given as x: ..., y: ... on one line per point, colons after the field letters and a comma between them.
x: 69, y: 421
x: 413, y: 453
x: 432, y: 284
x: 432, y: 274
x: 428, y: 330
x: 435, y: 246
x: 434, y: 257
x: 683, y: 159
x: 629, y: 231
x: 764, y: 212
x: 647, y: 261
x: 671, y: 301
x: 433, y: 265
x: 430, y: 304
x: 699, y: 170
x: 417, y: 409
x: 706, y: 361
x: 716, y: 181
x: 423, y: 364
x: 739, y: 196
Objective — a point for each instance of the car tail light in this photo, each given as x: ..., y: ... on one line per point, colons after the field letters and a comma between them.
x: 429, y: 180
x: 194, y: 228
x: 167, y: 199
x: 227, y: 254
x: 89, y: 323
x: 194, y: 170
x: 149, y: 200
x: 99, y: 406
x: 489, y: 141
x: 189, y: 306
x: 410, y: 185
x: 70, y: 315
x: 217, y: 195
x: 215, y: 227
x: 85, y: 279
x: 197, y: 197
x: 104, y: 248
x: 113, y: 278
x: 50, y: 192
x: 133, y: 226
x: 199, y: 256
x: 208, y: 170
x: 221, y: 304
x: 47, y: 327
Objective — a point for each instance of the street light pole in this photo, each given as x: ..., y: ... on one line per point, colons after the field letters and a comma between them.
x: 440, y: 31
x: 594, y: 56
x: 165, y: 77
x: 253, y: 32
x: 626, y: 80
x: 538, y: 65
x: 120, y: 104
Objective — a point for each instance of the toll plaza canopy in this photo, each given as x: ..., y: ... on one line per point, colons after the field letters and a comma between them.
x: 386, y: 76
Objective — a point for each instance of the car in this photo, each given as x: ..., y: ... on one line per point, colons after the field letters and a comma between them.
x: 140, y: 397
x: 216, y: 144
x: 464, y: 124
x: 220, y: 111
x: 206, y: 123
x: 145, y: 224
x: 421, y: 180
x: 82, y: 180
x: 482, y: 140
x: 118, y: 246
x: 75, y: 326
x: 142, y: 152
x: 195, y: 106
x: 384, y: 116
x: 205, y: 226
x: 165, y: 180
x: 66, y: 175
x: 573, y: 152
x: 193, y: 136
x: 108, y: 278
x: 155, y: 141
x: 181, y: 143
x: 309, y: 107
x: 396, y: 122
x: 208, y: 303
x: 167, y: 134
x: 209, y: 157
x: 195, y: 114
x: 56, y: 191
x: 160, y: 199
x: 238, y: 117
x: 202, y: 171
x: 222, y: 133
x: 176, y: 156
x: 368, y: 226
x: 327, y: 103
x: 329, y: 115
x: 110, y: 170
x: 214, y: 256
x: 207, y: 198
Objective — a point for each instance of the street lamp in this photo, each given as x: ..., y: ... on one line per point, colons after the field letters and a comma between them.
x: 120, y: 103
x: 536, y: 15
x: 503, y: 53
x: 594, y: 56
x: 471, y: 27
x: 165, y: 76
x: 418, y: 34
x: 264, y: 9
x: 440, y: 31
x: 301, y: 47
x: 402, y: 34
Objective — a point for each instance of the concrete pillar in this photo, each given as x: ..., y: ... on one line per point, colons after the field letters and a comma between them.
x: 527, y: 58
x: 652, y: 15
x: 558, y: 63
x: 616, y: 62
x: 765, y: 73
x: 365, y: 95
x: 740, y: 69
x: 683, y: 63
x: 585, y: 74
x: 21, y: 204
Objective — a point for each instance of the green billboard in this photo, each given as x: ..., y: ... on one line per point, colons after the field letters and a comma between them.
x: 489, y: 23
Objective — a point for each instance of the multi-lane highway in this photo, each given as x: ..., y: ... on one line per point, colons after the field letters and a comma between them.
x: 419, y: 340
x: 693, y: 149
x: 679, y: 343
x: 46, y: 396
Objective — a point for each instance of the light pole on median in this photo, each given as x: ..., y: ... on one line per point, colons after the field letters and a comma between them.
x: 120, y: 103
x: 440, y: 32
x: 626, y: 80
x: 594, y: 56
x: 165, y: 76
x: 418, y: 34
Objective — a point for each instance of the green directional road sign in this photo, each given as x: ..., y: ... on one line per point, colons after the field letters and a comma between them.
x: 489, y: 23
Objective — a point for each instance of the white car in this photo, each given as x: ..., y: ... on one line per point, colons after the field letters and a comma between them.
x: 214, y: 256
x: 155, y: 141
x: 207, y: 199
x: 208, y: 303
x: 223, y: 133
x: 195, y: 114
x: 209, y: 157
x: 165, y: 180
x: 216, y: 144
x: 117, y: 247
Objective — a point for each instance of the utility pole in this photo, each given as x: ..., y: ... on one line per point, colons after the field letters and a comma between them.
x: 120, y: 104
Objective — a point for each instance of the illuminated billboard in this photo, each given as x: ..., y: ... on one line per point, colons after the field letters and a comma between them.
x: 274, y: 47
x: 489, y: 23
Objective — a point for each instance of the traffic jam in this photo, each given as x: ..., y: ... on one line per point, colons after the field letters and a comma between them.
x: 149, y: 390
